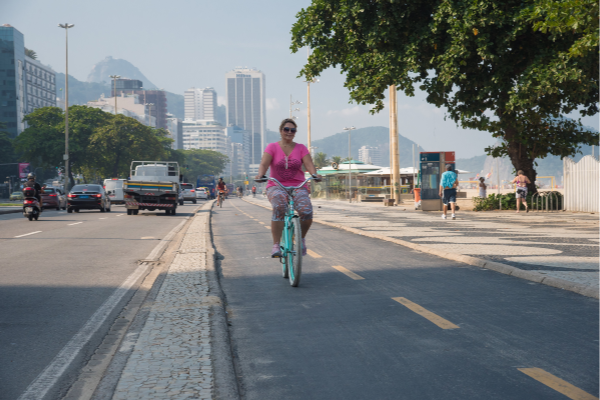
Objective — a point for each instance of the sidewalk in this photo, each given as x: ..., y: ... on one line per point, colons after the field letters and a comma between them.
x: 558, y: 249
x: 174, y: 355
x: 13, y: 209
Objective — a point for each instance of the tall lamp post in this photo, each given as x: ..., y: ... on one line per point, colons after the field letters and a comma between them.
x: 350, y: 129
x: 292, y: 104
x: 308, y: 82
x: 114, y: 78
x: 66, y: 155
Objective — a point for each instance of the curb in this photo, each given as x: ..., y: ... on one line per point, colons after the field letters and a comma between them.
x: 226, y: 384
x: 10, y: 211
x: 506, y: 269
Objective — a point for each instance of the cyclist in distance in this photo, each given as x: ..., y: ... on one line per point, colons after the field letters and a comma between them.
x: 285, y: 158
x: 221, y: 188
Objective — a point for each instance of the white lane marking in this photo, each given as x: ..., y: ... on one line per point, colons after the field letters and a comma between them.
x: 76, y: 223
x: 103, y: 218
x: 52, y: 373
x: 118, y: 215
x: 27, y: 234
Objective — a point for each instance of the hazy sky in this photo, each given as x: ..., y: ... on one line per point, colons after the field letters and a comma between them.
x: 179, y: 44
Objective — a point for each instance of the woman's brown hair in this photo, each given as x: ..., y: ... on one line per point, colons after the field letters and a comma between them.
x: 287, y: 121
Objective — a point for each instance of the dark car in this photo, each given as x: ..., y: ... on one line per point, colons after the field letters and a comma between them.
x: 53, y: 198
x: 88, y: 197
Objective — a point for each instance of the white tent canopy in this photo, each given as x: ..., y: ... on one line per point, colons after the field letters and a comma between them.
x: 404, y: 171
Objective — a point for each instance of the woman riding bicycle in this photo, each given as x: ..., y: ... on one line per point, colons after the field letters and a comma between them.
x: 221, y: 189
x: 285, y: 158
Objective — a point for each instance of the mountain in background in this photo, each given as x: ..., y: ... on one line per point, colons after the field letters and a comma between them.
x: 82, y: 92
x: 374, y: 136
x: 116, y: 66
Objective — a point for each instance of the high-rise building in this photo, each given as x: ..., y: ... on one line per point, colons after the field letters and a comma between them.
x: 25, y: 83
x: 205, y: 135
x: 157, y: 98
x: 175, y: 128
x: 200, y: 104
x: 369, y: 155
x: 246, y: 106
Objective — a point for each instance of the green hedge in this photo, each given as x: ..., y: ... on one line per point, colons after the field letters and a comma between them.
x: 509, y: 202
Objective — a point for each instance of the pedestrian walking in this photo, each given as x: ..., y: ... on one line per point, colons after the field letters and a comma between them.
x: 521, y: 180
x: 482, y: 188
x: 448, y: 190
x: 253, y: 191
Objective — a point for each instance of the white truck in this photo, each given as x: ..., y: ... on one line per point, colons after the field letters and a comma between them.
x: 152, y: 185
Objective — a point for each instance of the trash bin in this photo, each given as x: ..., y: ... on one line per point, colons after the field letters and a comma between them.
x: 417, y: 192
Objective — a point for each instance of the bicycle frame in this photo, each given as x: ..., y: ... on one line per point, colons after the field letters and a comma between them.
x: 287, y: 236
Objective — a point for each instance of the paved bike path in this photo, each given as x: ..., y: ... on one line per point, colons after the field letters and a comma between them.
x: 336, y: 337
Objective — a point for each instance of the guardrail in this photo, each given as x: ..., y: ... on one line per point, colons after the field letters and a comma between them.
x: 547, y: 201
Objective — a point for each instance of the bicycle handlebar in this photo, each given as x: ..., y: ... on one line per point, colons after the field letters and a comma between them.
x: 265, y: 179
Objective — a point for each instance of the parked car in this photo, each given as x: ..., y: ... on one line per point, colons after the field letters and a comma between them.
x: 114, y: 190
x: 53, y: 198
x: 16, y: 196
x: 188, y: 191
x: 87, y: 197
x: 201, y: 193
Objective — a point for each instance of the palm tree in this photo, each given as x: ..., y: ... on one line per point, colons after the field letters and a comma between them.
x: 336, y: 159
x: 30, y: 53
x: 320, y: 160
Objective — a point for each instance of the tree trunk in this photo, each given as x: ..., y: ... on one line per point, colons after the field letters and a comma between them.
x: 520, y: 156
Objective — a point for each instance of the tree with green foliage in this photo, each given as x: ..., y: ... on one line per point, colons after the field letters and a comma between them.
x: 321, y: 160
x: 43, y: 141
x: 30, y: 53
x: 114, y: 145
x: 337, y: 159
x: 513, y: 68
x: 7, y: 150
x: 200, y: 162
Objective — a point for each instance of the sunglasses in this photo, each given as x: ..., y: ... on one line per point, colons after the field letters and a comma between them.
x: 286, y: 129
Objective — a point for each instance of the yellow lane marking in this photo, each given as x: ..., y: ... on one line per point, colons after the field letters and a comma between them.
x: 347, y: 272
x: 436, y: 319
x: 313, y: 254
x: 262, y: 223
x: 268, y: 227
x: 147, y: 237
x: 557, y: 384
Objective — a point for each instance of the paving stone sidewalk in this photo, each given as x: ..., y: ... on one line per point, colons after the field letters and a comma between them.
x: 562, y: 245
x: 172, y: 355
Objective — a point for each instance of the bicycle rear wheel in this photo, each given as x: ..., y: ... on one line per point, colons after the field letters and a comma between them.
x: 294, y: 256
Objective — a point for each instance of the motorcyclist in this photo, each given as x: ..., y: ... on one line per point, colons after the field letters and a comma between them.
x: 36, y: 186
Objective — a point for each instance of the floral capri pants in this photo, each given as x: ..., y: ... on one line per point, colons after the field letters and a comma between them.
x: 279, y: 200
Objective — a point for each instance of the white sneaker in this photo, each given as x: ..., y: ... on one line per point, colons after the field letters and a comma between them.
x: 443, y: 216
x: 453, y: 216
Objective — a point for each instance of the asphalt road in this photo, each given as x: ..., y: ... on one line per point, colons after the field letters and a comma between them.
x: 414, y: 327
x: 53, y: 281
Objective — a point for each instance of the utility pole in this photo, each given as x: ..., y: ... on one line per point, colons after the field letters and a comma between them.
x: 394, y: 150
x: 308, y: 133
x: 66, y: 155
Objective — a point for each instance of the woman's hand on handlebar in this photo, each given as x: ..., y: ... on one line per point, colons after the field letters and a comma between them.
x: 317, y: 177
x: 259, y: 178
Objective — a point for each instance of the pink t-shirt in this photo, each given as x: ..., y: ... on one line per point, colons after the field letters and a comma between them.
x: 287, y: 170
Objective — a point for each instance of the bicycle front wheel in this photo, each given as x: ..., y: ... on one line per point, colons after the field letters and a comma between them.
x: 294, y: 256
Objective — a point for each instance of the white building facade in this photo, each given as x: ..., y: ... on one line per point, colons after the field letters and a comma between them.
x: 369, y: 155
x: 41, y: 85
x: 246, y: 107
x: 175, y: 128
x: 200, y: 104
x: 128, y: 105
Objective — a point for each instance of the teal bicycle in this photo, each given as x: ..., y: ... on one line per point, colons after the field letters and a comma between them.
x: 291, y: 237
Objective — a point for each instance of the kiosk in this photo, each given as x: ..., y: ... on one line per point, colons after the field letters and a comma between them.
x: 433, y: 165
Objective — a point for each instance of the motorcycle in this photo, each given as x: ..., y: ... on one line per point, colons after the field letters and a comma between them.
x: 31, y: 206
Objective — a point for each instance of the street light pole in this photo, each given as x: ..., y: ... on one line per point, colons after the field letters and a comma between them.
x: 114, y: 78
x: 308, y: 133
x: 66, y: 155
x: 349, y: 162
